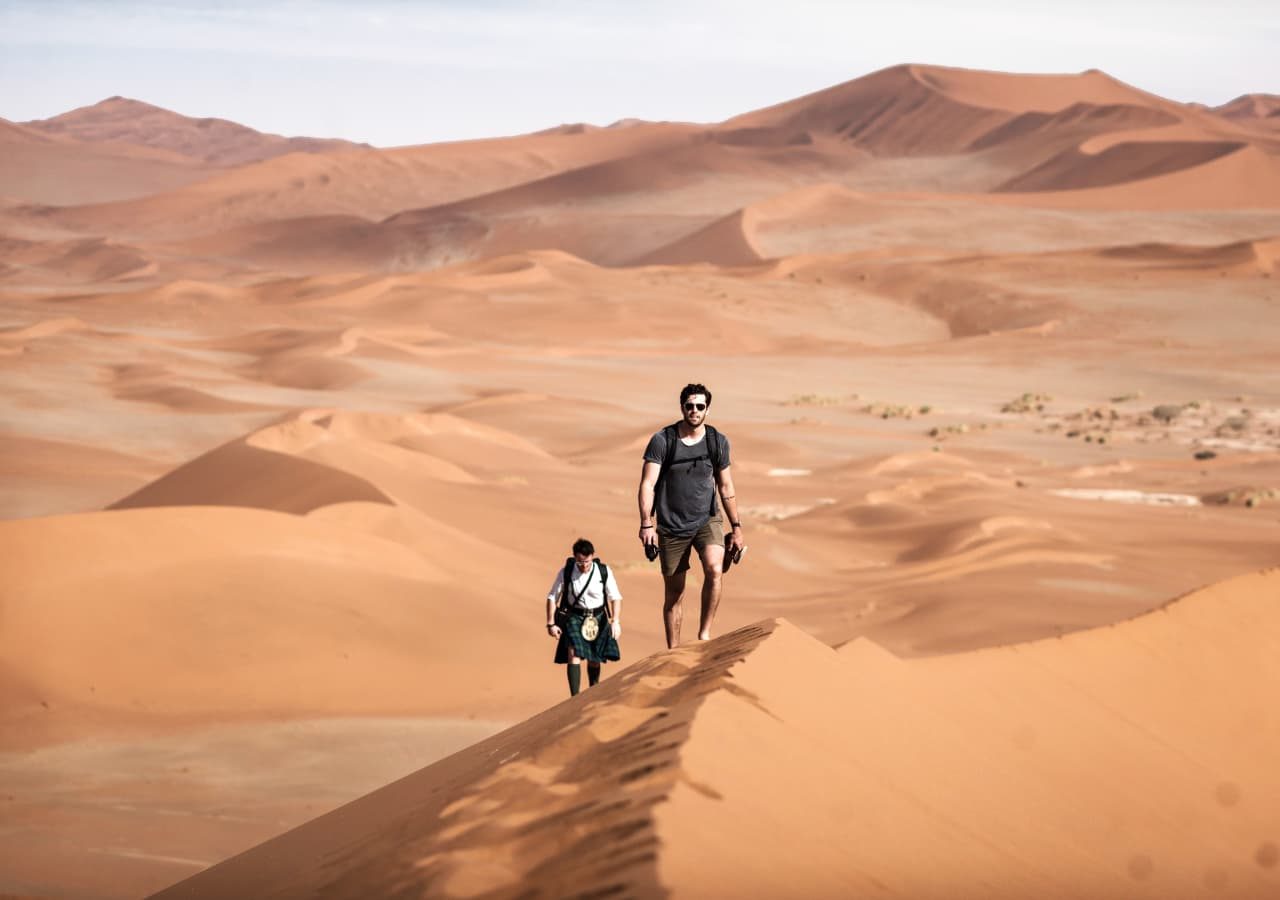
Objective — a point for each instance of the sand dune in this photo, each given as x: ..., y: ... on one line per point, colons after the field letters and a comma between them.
x: 216, y: 142
x: 310, y: 460
x: 1073, y: 122
x: 370, y: 184
x: 290, y: 450
x: 45, y: 169
x: 86, y: 260
x: 931, y: 110
x: 1243, y: 178
x: 728, y: 242
x: 170, y: 585
x: 1254, y: 110
x: 12, y: 133
x: 1261, y: 255
x: 1119, y: 163
x: 1006, y: 759
x: 614, y: 196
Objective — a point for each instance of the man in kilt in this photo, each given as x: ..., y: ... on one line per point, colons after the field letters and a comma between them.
x: 583, y: 615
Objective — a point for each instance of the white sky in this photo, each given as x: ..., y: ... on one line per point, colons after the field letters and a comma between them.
x: 396, y: 72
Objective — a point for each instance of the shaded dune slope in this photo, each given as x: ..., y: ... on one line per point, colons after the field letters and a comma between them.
x: 1241, y: 178
x: 727, y: 242
x: 1074, y: 169
x: 239, y: 474
x: 1132, y: 760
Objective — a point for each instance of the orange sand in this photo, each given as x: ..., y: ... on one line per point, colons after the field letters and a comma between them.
x: 295, y: 435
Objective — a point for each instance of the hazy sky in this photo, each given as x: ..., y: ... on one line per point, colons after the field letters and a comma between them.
x: 400, y: 72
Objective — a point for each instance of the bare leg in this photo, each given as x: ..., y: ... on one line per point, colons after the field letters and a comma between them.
x: 672, y: 610
x: 712, y: 579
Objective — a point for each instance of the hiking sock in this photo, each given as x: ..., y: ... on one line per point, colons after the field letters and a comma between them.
x: 575, y: 678
x: 593, y: 674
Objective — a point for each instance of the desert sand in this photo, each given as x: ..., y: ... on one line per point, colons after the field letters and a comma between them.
x: 295, y: 434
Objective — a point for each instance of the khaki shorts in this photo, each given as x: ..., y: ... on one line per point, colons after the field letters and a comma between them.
x: 673, y: 552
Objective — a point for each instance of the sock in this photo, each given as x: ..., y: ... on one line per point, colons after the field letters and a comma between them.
x: 593, y: 674
x: 575, y: 678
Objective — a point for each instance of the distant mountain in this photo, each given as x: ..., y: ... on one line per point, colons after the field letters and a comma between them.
x: 12, y: 133
x: 48, y: 168
x: 1253, y: 109
x: 218, y: 142
x: 918, y: 110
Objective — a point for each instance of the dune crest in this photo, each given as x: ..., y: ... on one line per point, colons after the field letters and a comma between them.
x: 960, y: 749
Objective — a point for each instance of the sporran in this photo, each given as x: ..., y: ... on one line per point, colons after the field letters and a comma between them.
x: 590, y: 627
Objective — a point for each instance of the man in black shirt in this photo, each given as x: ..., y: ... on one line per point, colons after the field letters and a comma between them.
x: 685, y: 466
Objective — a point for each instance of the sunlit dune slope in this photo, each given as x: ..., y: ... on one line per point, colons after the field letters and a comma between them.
x: 1128, y: 761
x: 208, y: 140
x: 329, y: 547
x: 191, y: 612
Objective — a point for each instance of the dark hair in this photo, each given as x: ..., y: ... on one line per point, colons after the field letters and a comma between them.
x: 691, y: 389
x: 583, y: 547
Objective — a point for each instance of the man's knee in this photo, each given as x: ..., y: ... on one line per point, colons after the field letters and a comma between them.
x: 673, y: 587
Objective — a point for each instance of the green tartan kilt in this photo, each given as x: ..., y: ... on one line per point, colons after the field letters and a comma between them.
x: 603, y: 649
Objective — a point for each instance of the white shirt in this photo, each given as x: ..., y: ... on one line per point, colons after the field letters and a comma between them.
x: 593, y: 598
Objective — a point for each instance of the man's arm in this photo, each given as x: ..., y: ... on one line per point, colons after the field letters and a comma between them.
x: 729, y: 502
x: 551, y: 618
x: 648, y: 484
x: 553, y: 599
x: 613, y: 598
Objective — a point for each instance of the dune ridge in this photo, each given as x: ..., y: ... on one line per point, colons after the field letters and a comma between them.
x: 1050, y: 745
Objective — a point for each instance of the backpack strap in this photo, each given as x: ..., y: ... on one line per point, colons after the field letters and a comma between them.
x: 565, y: 581
x: 715, y: 448
x: 671, y: 434
x: 604, y: 589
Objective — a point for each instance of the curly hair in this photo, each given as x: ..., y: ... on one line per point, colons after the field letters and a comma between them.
x: 691, y: 389
x: 583, y: 547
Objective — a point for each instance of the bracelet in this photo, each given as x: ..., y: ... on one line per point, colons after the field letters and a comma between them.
x: 735, y: 524
x: 643, y: 527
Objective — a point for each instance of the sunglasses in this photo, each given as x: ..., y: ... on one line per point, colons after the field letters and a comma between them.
x: 698, y: 406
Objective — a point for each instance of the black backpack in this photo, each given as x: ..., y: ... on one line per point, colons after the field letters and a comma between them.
x: 563, y: 605
x: 713, y: 449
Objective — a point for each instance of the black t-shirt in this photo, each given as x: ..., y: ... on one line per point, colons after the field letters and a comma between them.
x: 686, y: 496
